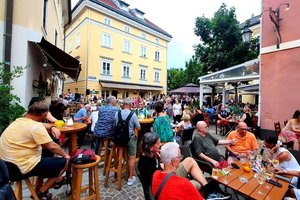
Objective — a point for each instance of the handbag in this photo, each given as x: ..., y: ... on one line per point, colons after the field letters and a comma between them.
x: 6, y: 192
x: 82, y: 156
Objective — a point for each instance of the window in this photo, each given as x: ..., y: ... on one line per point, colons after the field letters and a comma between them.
x: 107, y: 21
x: 55, y: 38
x: 144, y: 36
x: 106, y: 40
x: 157, y: 41
x: 156, y: 56
x: 77, y: 40
x: 45, y: 14
x: 127, y: 29
x: 143, y: 74
x: 126, y: 46
x: 156, y: 76
x: 70, y: 46
x: 126, y: 70
x: 143, y: 51
x: 105, y: 94
x: 106, y: 67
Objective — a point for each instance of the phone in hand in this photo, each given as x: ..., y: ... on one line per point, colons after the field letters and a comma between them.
x: 235, y: 166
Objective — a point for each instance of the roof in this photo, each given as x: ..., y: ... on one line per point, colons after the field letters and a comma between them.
x: 252, y: 22
x: 129, y: 86
x: 189, y: 88
x: 109, y: 4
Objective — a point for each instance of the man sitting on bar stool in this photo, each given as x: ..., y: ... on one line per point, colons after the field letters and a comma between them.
x: 131, y: 146
x: 21, y: 145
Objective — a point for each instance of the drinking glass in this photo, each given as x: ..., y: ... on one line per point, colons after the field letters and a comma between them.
x: 261, y: 178
x: 275, y: 162
x: 214, y: 173
x: 66, y: 117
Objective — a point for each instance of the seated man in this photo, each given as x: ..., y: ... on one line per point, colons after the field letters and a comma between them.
x: 149, y: 162
x: 21, y: 144
x: 175, y: 187
x: 245, y: 142
x: 222, y: 116
x: 204, y: 144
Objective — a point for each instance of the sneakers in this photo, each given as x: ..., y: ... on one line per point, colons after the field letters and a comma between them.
x: 131, y: 181
x: 218, y: 195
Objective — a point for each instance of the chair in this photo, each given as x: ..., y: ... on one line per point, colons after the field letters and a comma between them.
x: 104, y: 142
x: 187, y: 135
x: 277, y: 128
x: 93, y: 187
x: 204, y: 165
x: 15, y: 175
x: 147, y: 190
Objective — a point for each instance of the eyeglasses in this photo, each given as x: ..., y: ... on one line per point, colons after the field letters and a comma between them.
x: 180, y: 156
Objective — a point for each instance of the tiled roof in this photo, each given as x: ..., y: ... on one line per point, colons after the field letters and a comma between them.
x: 252, y: 22
x: 109, y: 4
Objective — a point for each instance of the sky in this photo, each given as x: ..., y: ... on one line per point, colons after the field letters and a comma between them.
x: 178, y: 19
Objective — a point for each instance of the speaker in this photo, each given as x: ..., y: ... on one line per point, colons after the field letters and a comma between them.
x: 87, y: 92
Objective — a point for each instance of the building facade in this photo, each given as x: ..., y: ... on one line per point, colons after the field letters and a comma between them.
x: 280, y: 61
x: 121, y: 52
x: 32, y: 33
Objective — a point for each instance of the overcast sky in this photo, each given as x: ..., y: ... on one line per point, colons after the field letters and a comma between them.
x: 178, y: 19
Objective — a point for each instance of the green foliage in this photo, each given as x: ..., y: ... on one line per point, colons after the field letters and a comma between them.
x: 175, y: 78
x: 221, y: 41
x: 235, y: 109
x: 10, y: 109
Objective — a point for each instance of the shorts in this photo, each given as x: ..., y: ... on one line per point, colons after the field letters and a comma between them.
x: 183, y: 173
x: 131, y: 146
x: 48, y: 167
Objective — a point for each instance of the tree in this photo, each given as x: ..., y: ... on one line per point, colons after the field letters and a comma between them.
x: 175, y: 77
x: 10, y: 109
x: 221, y: 41
x: 193, y: 69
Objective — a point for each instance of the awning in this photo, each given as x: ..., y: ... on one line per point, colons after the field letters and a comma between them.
x: 129, y: 86
x: 60, y: 60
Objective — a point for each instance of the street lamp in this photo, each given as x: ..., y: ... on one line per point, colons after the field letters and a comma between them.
x: 275, y: 19
x: 246, y: 35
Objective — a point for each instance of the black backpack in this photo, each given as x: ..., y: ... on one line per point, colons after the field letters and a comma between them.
x: 120, y: 131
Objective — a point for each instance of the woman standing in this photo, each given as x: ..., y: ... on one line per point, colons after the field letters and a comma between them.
x: 177, y: 111
x: 246, y: 117
x: 162, y: 124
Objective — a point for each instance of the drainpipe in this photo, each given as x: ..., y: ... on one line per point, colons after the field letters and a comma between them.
x: 8, y: 34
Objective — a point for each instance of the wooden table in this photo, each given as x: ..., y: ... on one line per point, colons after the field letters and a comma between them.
x: 145, y: 124
x: 72, y: 131
x: 251, y: 188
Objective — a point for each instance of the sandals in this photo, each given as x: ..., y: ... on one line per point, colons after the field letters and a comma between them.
x: 45, y: 195
x: 57, y: 185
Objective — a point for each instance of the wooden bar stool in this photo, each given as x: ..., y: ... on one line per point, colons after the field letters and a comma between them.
x: 18, y: 189
x: 93, y: 187
x: 118, y: 153
x: 104, y: 157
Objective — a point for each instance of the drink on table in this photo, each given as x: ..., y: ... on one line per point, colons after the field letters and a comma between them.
x: 214, y: 173
x: 275, y: 162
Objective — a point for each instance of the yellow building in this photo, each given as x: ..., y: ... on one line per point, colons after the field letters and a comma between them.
x: 32, y: 34
x: 121, y: 52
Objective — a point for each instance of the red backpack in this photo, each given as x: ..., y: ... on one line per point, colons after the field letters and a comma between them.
x: 82, y: 156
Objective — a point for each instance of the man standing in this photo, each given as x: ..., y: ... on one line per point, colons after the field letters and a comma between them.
x: 106, y: 117
x: 175, y: 187
x: 204, y: 144
x: 245, y: 142
x: 21, y: 144
x: 131, y: 146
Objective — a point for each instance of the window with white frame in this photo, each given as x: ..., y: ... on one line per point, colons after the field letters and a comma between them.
x: 70, y: 46
x: 106, y: 67
x: 106, y: 40
x: 107, y: 21
x: 157, y: 56
x: 157, y: 41
x: 77, y: 40
x: 156, y: 76
x: 126, y: 70
x: 127, y: 29
x: 143, y: 74
x: 126, y: 46
x: 143, y: 52
x: 144, y: 36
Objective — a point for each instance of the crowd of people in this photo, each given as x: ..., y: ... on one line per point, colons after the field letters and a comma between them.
x: 160, y: 162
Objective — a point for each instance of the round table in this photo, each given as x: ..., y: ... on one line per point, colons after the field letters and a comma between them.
x: 72, y: 131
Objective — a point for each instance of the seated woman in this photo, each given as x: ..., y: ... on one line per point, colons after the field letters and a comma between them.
x: 291, y: 132
x: 197, y: 116
x: 246, y: 117
x: 149, y: 162
x: 162, y: 124
x: 184, y: 124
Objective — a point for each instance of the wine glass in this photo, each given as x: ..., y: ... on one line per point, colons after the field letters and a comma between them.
x: 261, y: 178
x: 275, y: 162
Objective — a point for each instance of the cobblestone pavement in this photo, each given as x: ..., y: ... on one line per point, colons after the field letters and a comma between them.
x: 134, y: 192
